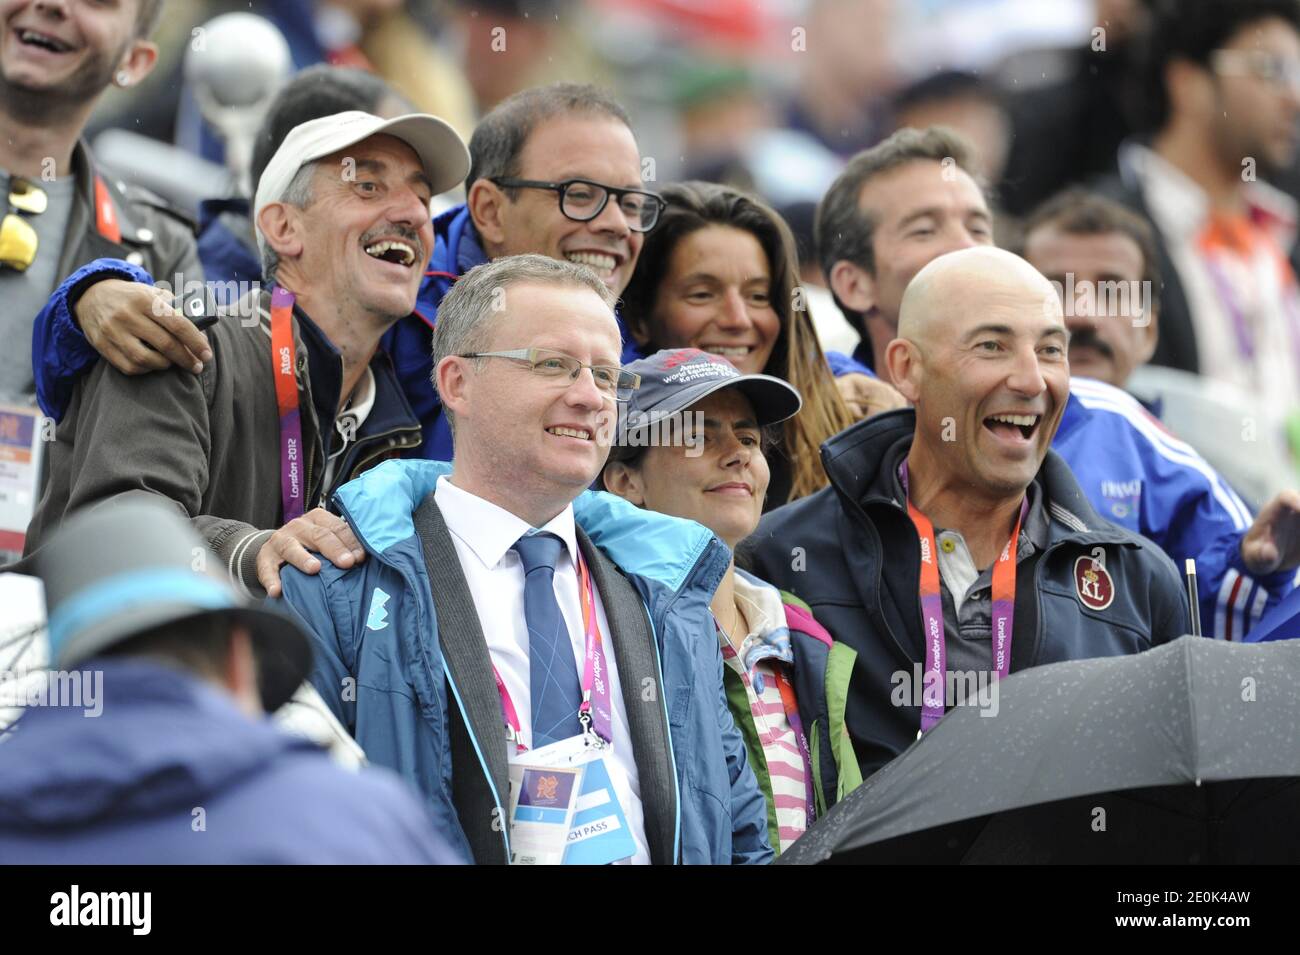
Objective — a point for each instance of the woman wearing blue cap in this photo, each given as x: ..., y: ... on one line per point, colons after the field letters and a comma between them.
x: 692, y: 444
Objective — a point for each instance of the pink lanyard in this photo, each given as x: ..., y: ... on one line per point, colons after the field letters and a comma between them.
x: 283, y: 360
x: 1003, y: 608
x: 594, y: 712
x: 1241, y: 330
x: 1212, y: 254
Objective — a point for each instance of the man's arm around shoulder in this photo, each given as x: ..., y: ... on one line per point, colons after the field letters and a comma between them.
x: 140, y: 435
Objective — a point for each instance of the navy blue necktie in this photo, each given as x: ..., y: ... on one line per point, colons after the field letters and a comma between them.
x: 553, y: 675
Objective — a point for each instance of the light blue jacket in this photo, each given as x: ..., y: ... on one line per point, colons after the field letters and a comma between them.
x: 674, y: 565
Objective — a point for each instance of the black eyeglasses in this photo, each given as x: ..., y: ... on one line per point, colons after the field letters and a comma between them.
x: 582, y: 200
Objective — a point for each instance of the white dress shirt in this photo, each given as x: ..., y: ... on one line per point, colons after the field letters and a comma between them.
x: 484, y: 534
x: 1260, y: 284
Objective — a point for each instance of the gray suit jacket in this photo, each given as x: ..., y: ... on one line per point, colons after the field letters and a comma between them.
x: 479, y: 717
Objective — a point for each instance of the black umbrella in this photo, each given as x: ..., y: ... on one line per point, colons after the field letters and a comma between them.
x: 1186, y: 753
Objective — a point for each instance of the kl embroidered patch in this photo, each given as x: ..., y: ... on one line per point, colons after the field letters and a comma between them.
x: 1093, y: 583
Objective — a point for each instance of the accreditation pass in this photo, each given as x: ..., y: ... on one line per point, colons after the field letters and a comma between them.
x: 542, y: 799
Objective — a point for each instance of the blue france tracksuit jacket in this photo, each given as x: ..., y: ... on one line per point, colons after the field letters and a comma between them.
x: 675, y: 566
x: 1138, y: 475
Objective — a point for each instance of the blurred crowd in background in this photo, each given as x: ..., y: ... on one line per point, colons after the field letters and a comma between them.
x: 770, y: 96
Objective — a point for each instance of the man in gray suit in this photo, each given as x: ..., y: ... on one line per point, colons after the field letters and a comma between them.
x: 512, y: 622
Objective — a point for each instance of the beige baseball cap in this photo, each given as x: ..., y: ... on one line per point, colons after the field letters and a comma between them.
x: 441, y: 150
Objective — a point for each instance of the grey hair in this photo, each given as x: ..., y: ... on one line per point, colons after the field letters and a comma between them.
x: 466, y: 315
x: 298, y: 193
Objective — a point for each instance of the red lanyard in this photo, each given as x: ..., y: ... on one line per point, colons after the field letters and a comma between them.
x: 594, y: 711
x: 284, y: 361
x: 791, y: 707
x: 1003, y: 609
x: 105, y: 214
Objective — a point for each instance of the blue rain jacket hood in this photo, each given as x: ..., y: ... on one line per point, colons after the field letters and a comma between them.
x: 169, y: 771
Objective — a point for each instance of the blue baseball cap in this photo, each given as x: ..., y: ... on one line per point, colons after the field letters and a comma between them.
x: 674, y: 379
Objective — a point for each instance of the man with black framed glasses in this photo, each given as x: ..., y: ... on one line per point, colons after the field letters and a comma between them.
x: 513, y: 627
x: 583, y: 200
x: 543, y: 164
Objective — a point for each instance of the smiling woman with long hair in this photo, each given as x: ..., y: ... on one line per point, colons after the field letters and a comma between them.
x: 719, y: 273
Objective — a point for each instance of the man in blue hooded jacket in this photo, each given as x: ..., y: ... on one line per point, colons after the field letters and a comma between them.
x: 499, y: 591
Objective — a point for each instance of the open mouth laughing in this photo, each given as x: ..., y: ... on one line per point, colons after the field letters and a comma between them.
x: 394, y: 251
x: 43, y: 41
x: 1017, y: 428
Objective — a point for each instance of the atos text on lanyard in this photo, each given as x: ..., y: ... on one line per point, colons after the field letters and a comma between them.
x: 284, y: 361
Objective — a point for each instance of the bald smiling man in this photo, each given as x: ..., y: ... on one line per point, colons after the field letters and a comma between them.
x: 952, y: 546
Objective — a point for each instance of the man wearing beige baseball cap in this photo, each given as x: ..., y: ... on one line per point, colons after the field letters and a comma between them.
x: 298, y: 398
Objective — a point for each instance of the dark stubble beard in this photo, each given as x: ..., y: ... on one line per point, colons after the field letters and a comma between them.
x: 51, y: 105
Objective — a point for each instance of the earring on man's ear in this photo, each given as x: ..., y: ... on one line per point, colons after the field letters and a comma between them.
x: 123, y: 78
